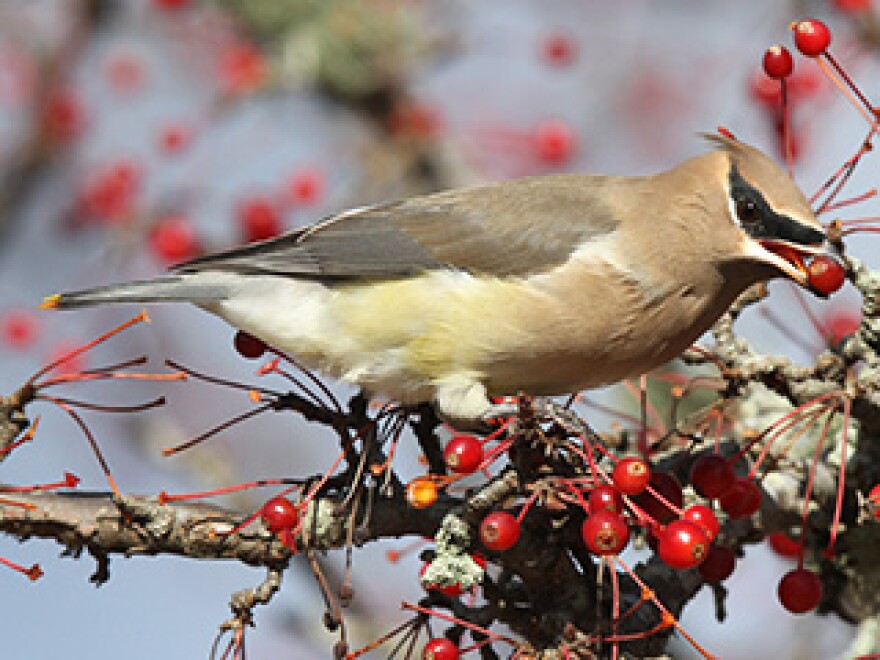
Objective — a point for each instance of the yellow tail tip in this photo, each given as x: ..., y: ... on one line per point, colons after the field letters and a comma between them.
x: 51, y: 302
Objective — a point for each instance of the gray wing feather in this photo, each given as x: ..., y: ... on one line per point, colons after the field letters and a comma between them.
x: 516, y: 228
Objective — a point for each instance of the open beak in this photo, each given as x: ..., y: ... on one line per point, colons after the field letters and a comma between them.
x: 789, y: 257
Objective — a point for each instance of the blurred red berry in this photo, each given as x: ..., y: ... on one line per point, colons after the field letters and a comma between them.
x: 838, y: 324
x: 711, y: 475
x: 605, y: 498
x: 125, y: 73
x: 414, y: 119
x: 682, y: 544
x: 440, y: 648
x: 631, y: 475
x: 62, y: 116
x: 826, y: 274
x: 174, y: 138
x: 800, y: 591
x: 306, y: 187
x: 71, y: 365
x: 605, y: 533
x: 170, y: 5
x: 463, y: 453
x: 258, y: 219
x: 812, y: 37
x: 778, y: 63
x: 20, y: 329
x: 852, y: 6
x: 558, y: 49
x: 173, y: 239
x: 718, y: 564
x: 742, y: 499
x: 111, y: 195
x: 242, y: 68
x: 783, y: 545
x: 554, y: 142
x: 499, y: 531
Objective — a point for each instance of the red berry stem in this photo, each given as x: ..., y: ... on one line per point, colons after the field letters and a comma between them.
x: 855, y: 100
x: 811, y: 477
x: 528, y: 505
x: 786, y: 128
x: 849, y: 83
x: 841, y: 477
x: 849, y: 201
x: 164, y: 497
x: 494, y: 636
x: 844, y: 170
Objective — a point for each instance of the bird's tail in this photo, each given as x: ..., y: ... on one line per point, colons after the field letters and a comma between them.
x: 173, y: 288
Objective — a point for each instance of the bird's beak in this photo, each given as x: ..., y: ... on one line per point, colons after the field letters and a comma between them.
x: 790, y: 257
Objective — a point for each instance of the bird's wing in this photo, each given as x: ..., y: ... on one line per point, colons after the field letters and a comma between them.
x: 516, y: 228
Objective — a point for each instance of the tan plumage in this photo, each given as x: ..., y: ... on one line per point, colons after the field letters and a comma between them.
x: 545, y: 285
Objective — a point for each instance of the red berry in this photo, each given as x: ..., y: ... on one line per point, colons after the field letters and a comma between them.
x: 811, y: 37
x: 825, y: 274
x: 711, y: 475
x: 279, y: 513
x: 783, y: 545
x: 631, y: 475
x: 554, y: 142
x: 667, y: 487
x: 248, y: 346
x: 800, y: 591
x: 742, y: 499
x: 499, y: 531
x: 683, y: 544
x: 558, y: 49
x: 174, y: 239
x: 718, y: 564
x: 704, y: 517
x: 452, y: 590
x: 605, y: 533
x: 874, y: 501
x: 778, y: 63
x: 605, y: 498
x: 258, y: 219
x: 463, y: 454
x: 306, y: 187
x: 440, y: 648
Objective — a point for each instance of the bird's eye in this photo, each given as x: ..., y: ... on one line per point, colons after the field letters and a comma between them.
x: 747, y: 211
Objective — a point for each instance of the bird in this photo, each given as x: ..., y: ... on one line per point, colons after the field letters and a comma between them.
x: 545, y: 285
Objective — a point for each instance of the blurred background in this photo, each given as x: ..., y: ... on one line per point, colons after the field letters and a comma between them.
x: 138, y: 133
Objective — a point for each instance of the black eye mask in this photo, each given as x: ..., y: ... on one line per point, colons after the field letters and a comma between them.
x: 761, y: 222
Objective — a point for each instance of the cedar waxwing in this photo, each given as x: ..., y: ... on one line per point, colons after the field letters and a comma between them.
x: 544, y: 285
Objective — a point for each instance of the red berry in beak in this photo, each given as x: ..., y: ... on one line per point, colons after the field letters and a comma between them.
x: 826, y: 275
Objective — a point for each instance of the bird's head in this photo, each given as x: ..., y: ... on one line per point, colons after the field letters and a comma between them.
x: 775, y: 226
